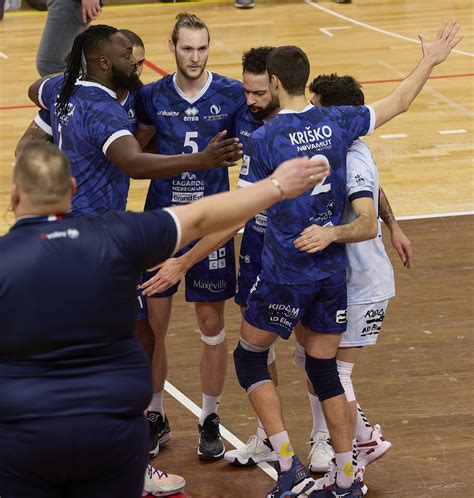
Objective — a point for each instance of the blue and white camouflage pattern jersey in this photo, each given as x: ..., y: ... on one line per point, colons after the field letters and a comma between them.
x: 329, y: 131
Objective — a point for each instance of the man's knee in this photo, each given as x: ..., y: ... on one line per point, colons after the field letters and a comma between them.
x: 324, y: 377
x: 251, y: 365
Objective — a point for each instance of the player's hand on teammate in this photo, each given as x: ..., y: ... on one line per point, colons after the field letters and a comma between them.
x: 314, y: 239
x: 444, y: 42
x: 90, y: 10
x: 298, y: 175
x: 402, y: 245
x: 171, y: 272
x: 221, y: 152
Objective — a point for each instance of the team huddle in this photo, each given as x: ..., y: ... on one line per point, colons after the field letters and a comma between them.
x: 313, y: 264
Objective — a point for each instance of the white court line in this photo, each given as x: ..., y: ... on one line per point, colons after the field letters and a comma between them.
x: 394, y: 135
x: 327, y: 31
x: 226, y: 434
x: 435, y: 215
x: 451, y: 132
x: 374, y: 28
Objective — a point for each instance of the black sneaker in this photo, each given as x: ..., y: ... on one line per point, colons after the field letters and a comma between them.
x: 210, y: 441
x: 160, y: 432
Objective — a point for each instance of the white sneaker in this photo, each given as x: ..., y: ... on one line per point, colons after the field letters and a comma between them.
x: 321, y: 453
x: 256, y: 450
x: 158, y: 483
x: 373, y: 449
x: 329, y: 478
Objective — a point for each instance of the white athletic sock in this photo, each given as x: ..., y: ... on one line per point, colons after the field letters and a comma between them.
x: 319, y: 421
x: 209, y: 405
x: 345, y: 469
x: 282, y: 446
x: 363, y: 428
x: 261, y: 433
x: 156, y: 404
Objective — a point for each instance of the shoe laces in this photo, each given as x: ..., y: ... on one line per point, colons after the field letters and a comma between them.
x: 252, y: 443
x: 152, y: 471
x: 318, y: 443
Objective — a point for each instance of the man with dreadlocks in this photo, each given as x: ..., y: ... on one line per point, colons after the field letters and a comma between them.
x: 93, y: 129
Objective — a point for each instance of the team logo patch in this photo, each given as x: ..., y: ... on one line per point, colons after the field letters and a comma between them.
x: 244, y: 170
x: 341, y: 316
x: 215, y: 109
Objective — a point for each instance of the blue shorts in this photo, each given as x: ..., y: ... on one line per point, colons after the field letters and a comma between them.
x: 250, y: 261
x: 142, y: 308
x: 88, y: 456
x: 210, y: 280
x: 322, y: 306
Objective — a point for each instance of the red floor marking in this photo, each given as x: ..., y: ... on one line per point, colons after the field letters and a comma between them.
x: 155, y: 68
x: 430, y: 78
x: 162, y: 72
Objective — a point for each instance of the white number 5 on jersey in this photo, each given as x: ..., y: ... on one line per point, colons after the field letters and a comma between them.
x: 188, y: 142
x: 319, y: 188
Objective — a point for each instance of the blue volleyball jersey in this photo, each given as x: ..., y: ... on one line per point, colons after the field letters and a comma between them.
x: 184, y: 125
x: 43, y: 119
x: 329, y: 131
x: 93, y: 121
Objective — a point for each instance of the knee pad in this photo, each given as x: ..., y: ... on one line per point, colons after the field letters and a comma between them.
x: 324, y: 376
x: 345, y: 371
x: 299, y: 357
x: 215, y: 339
x: 251, y: 365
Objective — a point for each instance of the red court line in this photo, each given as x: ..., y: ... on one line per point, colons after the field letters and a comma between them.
x: 162, y: 72
x: 155, y: 68
x: 445, y: 76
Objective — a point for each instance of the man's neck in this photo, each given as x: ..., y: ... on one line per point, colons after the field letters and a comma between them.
x: 191, y: 87
x: 295, y: 103
x: 101, y: 80
x: 22, y: 211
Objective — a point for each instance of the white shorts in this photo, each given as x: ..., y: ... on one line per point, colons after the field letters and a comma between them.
x: 364, y: 323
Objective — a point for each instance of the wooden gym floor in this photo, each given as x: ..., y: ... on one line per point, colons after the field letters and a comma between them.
x: 418, y: 382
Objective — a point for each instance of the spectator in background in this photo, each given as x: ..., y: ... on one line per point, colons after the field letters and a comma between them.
x: 66, y: 19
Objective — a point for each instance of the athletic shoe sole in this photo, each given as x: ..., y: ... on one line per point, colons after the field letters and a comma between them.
x: 204, y: 456
x: 378, y: 453
x: 163, y: 440
x: 272, y: 457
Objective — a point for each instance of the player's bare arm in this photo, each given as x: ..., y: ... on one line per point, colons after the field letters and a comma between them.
x: 174, y: 269
x: 126, y: 153
x: 231, y: 209
x: 400, y: 241
x: 434, y: 53
x: 364, y: 227
x: 32, y: 133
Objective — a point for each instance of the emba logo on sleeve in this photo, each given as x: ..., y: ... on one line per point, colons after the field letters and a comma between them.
x: 341, y: 316
x: 244, y: 170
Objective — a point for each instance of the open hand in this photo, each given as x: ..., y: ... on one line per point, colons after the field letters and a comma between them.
x: 443, y: 43
x: 220, y: 152
x: 171, y: 272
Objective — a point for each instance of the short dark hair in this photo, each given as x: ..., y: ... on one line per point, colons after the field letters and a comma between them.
x: 255, y: 60
x: 337, y: 90
x: 43, y: 172
x: 133, y: 38
x: 187, y: 21
x: 291, y: 66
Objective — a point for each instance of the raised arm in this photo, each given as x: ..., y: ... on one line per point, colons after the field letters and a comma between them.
x: 364, y: 227
x: 230, y: 209
x: 434, y: 53
x: 400, y: 241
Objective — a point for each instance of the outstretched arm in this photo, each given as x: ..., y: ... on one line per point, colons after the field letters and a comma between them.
x: 400, y: 241
x: 315, y: 238
x: 228, y: 210
x: 434, y: 53
x: 174, y: 269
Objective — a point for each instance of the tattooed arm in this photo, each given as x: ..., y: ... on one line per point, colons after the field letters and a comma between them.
x: 32, y: 133
x: 399, y: 240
